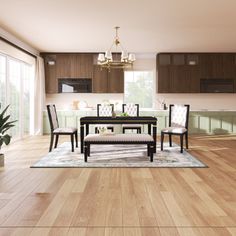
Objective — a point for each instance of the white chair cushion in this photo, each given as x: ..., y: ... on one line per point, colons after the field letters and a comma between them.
x: 64, y: 130
x: 175, y: 130
x: 178, y: 116
x: 131, y: 109
x: 119, y: 138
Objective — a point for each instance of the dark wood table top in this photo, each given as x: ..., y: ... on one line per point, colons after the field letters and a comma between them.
x: 118, y: 120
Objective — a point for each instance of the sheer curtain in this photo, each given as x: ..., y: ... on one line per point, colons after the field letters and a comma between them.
x: 39, y: 96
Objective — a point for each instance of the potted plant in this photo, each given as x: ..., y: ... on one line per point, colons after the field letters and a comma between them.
x: 5, y: 138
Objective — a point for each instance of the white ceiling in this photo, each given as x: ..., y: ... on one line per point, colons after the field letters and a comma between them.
x: 147, y: 26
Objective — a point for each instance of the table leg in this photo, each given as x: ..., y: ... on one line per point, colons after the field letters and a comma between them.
x: 155, y: 138
x: 87, y: 129
x: 81, y: 138
x: 149, y: 129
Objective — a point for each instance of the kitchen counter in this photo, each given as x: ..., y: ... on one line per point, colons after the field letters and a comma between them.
x: 200, y: 121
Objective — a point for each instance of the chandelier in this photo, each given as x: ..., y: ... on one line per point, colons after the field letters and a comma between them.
x: 116, y: 56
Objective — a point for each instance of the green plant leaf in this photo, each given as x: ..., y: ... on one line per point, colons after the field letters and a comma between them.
x: 6, y: 125
x: 4, y: 120
x: 4, y: 130
x: 6, y: 139
x: 3, y: 112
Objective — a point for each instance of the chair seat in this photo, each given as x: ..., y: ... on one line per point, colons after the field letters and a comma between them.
x: 65, y: 130
x: 174, y: 130
x: 132, y: 126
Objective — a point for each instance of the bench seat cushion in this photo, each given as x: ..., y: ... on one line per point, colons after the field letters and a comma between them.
x: 119, y: 138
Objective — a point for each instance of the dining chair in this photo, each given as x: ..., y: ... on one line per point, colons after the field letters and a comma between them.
x: 131, y: 110
x: 104, y: 110
x: 57, y: 131
x: 178, y: 125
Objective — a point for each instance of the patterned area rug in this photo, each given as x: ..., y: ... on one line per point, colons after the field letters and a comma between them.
x: 118, y: 156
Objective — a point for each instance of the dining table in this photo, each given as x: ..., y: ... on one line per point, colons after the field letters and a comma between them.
x: 86, y: 121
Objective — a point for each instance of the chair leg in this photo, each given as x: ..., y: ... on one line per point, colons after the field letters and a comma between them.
x: 123, y: 130
x: 139, y: 130
x: 96, y: 130
x: 148, y: 150
x: 186, y: 140
x: 56, y: 142
x: 76, y: 139
x: 181, y: 143
x: 151, y: 152
x: 72, y: 142
x: 170, y: 140
x: 162, y: 140
x: 51, y: 142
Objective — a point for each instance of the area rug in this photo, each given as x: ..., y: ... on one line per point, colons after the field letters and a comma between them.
x: 118, y: 156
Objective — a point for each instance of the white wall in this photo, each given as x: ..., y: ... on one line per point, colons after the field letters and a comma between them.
x: 148, y: 62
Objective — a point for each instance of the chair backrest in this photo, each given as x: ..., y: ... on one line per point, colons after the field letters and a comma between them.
x: 105, y: 109
x: 179, y: 116
x: 131, y: 109
x: 52, y: 115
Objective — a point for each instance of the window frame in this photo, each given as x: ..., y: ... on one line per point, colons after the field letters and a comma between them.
x: 21, y: 133
x: 153, y: 92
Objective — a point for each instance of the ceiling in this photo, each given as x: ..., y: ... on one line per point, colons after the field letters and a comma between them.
x: 147, y: 26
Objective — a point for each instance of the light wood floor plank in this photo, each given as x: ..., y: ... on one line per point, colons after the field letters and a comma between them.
x: 119, y: 201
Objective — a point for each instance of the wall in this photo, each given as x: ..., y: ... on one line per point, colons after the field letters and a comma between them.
x: 148, y: 62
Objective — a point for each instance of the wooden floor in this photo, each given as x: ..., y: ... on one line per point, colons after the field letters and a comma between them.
x: 119, y: 201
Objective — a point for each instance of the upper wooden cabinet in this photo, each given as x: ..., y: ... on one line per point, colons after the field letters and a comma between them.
x: 84, y: 66
x: 182, y: 72
x: 100, y: 83
x: 116, y: 81
x: 75, y: 65
x: 50, y: 73
x: 105, y: 81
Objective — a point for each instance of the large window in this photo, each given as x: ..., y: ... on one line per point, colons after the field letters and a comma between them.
x: 16, y: 89
x: 139, y: 88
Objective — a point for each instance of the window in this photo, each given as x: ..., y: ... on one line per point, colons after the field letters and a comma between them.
x: 16, y: 89
x: 139, y: 88
x: 2, y: 81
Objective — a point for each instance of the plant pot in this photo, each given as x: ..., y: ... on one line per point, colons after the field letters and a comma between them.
x: 1, y: 160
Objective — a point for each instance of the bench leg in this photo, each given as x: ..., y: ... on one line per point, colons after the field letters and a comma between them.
x: 151, y: 153
x: 148, y: 150
x: 72, y: 142
x: 85, y: 152
x: 88, y: 150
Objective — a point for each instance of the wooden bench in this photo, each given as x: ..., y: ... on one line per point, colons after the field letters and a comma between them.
x: 128, y: 139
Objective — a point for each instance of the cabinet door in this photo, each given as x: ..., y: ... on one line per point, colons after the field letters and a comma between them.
x: 50, y: 74
x: 179, y: 81
x: 205, y: 66
x: 163, y: 59
x: 178, y: 59
x: 217, y: 65
x: 83, y: 66
x: 116, y: 81
x: 63, y: 65
x: 99, y: 80
x: 163, y: 79
x: 229, y: 66
x: 193, y: 74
